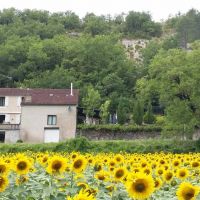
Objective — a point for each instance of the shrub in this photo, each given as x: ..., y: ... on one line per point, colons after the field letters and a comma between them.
x: 160, y: 120
x: 120, y: 128
x: 84, y: 145
x: 149, y: 117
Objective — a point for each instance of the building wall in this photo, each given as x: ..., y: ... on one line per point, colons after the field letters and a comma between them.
x: 12, y: 109
x: 34, y: 121
x: 12, y: 136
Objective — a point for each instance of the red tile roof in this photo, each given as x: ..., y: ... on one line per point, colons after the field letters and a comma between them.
x: 43, y: 96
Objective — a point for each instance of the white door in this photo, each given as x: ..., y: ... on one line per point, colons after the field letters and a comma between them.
x: 51, y: 135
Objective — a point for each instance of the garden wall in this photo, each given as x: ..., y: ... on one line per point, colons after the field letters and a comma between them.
x: 103, y: 135
x: 118, y: 132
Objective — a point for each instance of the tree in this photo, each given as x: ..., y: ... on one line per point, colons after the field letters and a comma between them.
x: 91, y: 101
x: 140, y: 25
x: 95, y: 25
x: 188, y: 27
x: 123, y: 110
x: 58, y: 78
x: 138, y: 112
x: 175, y: 75
x: 149, y: 117
x: 104, y: 111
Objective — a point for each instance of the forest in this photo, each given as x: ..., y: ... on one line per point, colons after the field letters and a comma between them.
x: 39, y: 49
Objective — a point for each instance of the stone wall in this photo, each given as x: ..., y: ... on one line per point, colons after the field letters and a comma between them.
x: 97, y: 135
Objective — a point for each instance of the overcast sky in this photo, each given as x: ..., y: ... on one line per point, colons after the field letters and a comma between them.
x: 159, y: 9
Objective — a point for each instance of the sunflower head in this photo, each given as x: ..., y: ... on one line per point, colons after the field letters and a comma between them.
x: 168, y: 176
x: 141, y: 187
x: 187, y: 191
x: 56, y: 165
x: 120, y: 173
x: 3, y: 183
x: 157, y: 183
x: 4, y: 168
x: 79, y: 164
x: 182, y: 173
x: 102, y: 175
x: 23, y: 166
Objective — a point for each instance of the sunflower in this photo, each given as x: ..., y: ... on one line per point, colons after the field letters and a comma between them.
x: 176, y: 163
x: 195, y: 164
x: 120, y: 173
x: 82, y: 195
x: 141, y: 187
x: 4, y: 169
x: 74, y: 155
x: 3, y: 183
x: 56, y: 165
x: 119, y: 158
x: 21, y: 179
x: 187, y: 191
x: 159, y: 171
x: 157, y: 183
x: 182, y: 173
x: 102, y: 175
x: 168, y: 176
x: 98, y: 167
x: 23, y: 165
x: 82, y: 185
x: 79, y: 164
x: 147, y: 171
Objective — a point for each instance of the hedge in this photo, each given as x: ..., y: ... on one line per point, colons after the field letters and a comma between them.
x: 84, y: 145
x: 120, y: 128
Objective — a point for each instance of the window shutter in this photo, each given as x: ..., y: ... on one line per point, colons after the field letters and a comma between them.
x: 6, y: 101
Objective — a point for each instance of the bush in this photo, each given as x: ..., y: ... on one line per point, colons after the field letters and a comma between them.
x: 19, y: 141
x: 120, y: 128
x: 149, y: 117
x: 160, y: 120
x: 84, y: 145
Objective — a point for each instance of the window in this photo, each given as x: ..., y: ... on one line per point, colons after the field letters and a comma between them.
x: 2, y: 137
x: 2, y: 101
x: 51, y: 120
x: 2, y: 119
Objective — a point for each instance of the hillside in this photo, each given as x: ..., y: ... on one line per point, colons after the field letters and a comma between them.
x: 51, y: 50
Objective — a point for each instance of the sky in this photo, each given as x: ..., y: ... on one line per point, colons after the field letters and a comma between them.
x: 159, y: 9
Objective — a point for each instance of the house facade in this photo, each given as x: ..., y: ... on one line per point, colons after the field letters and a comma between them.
x: 37, y: 115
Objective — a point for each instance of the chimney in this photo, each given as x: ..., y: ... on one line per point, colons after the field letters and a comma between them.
x: 71, y: 89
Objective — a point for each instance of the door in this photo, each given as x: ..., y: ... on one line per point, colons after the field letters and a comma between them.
x: 51, y: 135
x: 2, y: 137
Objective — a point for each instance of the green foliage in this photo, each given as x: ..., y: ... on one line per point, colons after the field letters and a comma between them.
x: 95, y: 25
x: 122, y: 111
x: 188, y: 28
x: 174, y: 75
x: 61, y: 79
x: 83, y: 145
x: 160, y: 120
x: 91, y: 101
x: 141, y: 25
x: 104, y: 112
x: 138, y: 112
x: 120, y: 128
x: 149, y: 117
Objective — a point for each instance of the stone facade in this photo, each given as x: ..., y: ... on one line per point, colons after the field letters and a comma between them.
x: 99, y: 135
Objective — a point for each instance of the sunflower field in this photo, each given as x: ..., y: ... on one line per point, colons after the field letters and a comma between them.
x: 76, y: 176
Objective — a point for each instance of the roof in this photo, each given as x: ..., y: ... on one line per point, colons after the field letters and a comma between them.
x: 43, y: 96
